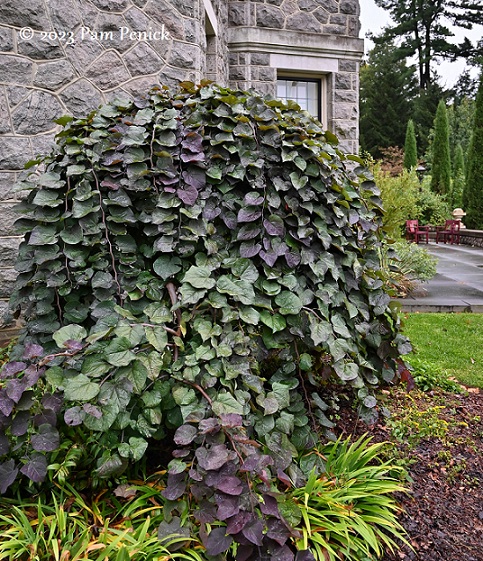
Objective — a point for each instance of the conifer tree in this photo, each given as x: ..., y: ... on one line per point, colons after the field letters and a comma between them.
x: 441, y: 161
x: 456, y: 198
x: 473, y: 192
x: 410, y: 147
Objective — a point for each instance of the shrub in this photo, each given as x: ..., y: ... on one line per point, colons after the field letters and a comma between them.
x: 196, y: 266
x: 404, y: 197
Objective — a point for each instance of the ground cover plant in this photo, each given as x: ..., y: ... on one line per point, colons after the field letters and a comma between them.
x: 451, y: 343
x: 200, y: 274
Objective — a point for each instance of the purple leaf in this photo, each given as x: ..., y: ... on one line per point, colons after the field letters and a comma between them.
x: 12, y: 368
x: 15, y: 389
x: 213, y: 458
x: 217, y: 541
x: 236, y: 523
x: 249, y: 249
x: 32, y: 350
x: 270, y: 258
x: 6, y: 404
x: 292, y: 258
x: 188, y: 195
x: 253, y: 198
x: 185, y: 434
x: 209, y: 426
x: 193, y: 142
x: 32, y: 375
x: 269, y: 507
x: 46, y: 440
x: 169, y: 530
x: 244, y: 553
x: 228, y: 506
x: 253, y: 532
x: 73, y: 345
x: 20, y: 424
x: 206, y: 512
x: 36, y: 468
x: 195, y: 177
x: 4, y: 444
x: 230, y: 486
x: 248, y: 232
x: 74, y: 416
x: 230, y: 420
x: 180, y: 453
x: 249, y: 214
x: 175, y: 487
x: 274, y: 226
x: 284, y: 478
x: 277, y: 531
x: 229, y: 219
x: 47, y: 417
x: 52, y: 402
x: 92, y: 410
x: 8, y: 474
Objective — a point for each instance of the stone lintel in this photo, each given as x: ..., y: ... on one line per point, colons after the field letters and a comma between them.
x: 250, y: 39
x: 304, y: 63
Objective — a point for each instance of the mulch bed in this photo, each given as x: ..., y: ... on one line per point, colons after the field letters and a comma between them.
x: 443, y: 513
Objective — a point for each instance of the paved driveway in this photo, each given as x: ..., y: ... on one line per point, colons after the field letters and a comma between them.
x: 457, y: 286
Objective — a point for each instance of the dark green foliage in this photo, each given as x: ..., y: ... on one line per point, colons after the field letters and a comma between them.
x: 424, y: 111
x: 196, y: 267
x: 441, y: 159
x: 473, y: 191
x: 458, y: 183
x: 387, y: 88
x: 421, y: 29
x: 410, y: 147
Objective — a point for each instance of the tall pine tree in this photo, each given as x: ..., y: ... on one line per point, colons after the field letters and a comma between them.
x: 421, y: 29
x: 441, y: 160
x: 473, y: 192
x: 410, y: 147
x: 386, y: 93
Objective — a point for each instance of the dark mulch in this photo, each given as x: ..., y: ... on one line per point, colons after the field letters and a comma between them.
x: 443, y: 514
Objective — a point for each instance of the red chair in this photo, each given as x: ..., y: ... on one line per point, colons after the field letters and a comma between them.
x: 415, y: 232
x: 450, y: 232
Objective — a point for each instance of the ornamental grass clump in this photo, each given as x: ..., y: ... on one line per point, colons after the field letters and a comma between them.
x: 197, y: 267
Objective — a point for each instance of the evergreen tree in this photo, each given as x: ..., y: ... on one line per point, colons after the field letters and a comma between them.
x: 387, y: 88
x: 410, y: 147
x: 473, y: 192
x: 421, y: 29
x: 424, y: 109
x: 441, y: 162
x: 457, y: 186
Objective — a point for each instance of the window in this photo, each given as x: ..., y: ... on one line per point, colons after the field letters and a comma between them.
x: 304, y: 91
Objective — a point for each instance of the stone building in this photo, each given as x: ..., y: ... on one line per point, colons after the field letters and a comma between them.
x: 61, y: 57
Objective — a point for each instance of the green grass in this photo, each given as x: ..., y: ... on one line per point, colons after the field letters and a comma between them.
x: 451, y: 342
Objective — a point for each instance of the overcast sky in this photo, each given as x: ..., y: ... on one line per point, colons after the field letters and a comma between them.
x: 374, y: 19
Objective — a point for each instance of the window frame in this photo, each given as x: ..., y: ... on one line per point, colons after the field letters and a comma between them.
x: 319, y: 79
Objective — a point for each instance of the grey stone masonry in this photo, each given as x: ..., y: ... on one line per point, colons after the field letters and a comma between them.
x: 66, y: 57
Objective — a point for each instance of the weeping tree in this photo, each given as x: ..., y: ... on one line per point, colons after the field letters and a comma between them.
x: 199, y: 274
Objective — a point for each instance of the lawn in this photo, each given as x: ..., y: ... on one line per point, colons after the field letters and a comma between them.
x: 452, y: 342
